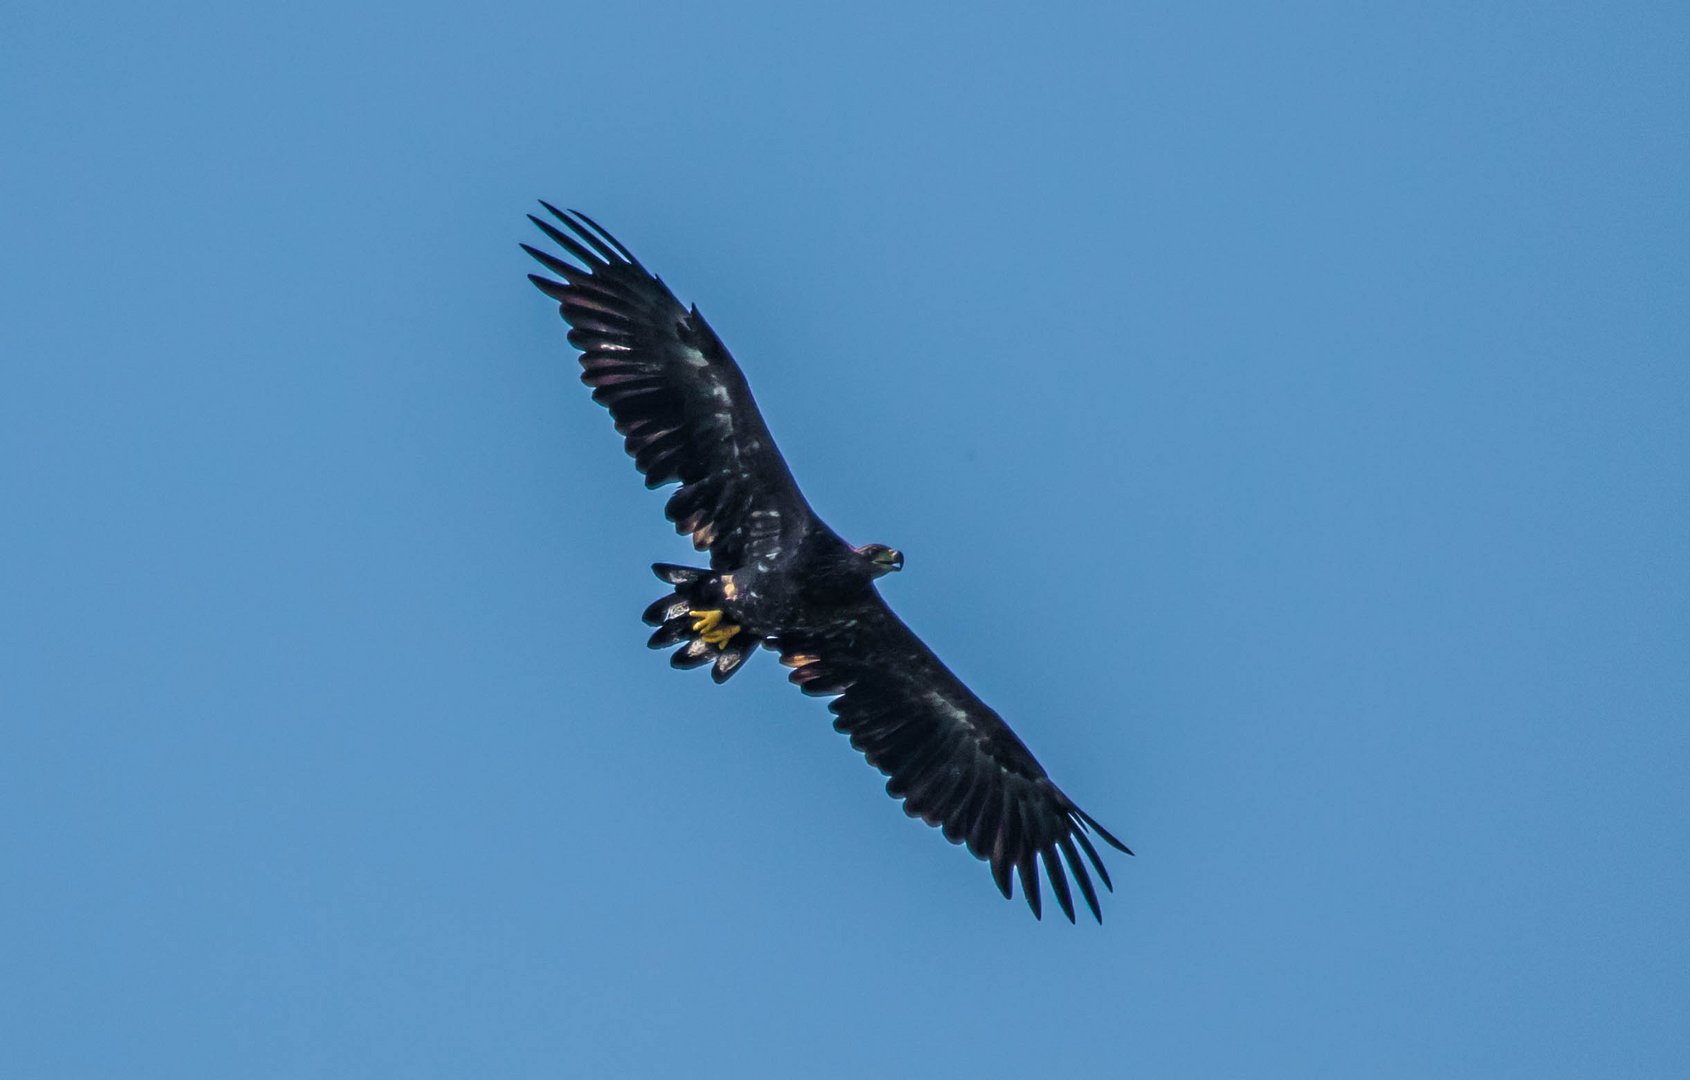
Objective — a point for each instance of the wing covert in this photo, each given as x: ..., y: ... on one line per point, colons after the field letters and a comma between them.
x: 677, y: 397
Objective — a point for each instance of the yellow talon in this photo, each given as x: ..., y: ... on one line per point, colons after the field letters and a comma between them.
x: 708, y: 625
x: 721, y: 635
x: 705, y: 621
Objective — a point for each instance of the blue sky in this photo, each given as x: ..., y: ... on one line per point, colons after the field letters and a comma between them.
x: 1282, y: 411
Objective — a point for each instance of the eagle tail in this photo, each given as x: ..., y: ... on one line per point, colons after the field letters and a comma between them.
x: 695, y: 616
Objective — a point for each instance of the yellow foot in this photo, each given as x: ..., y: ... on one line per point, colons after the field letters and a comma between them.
x: 721, y: 635
x: 709, y: 626
x: 705, y: 621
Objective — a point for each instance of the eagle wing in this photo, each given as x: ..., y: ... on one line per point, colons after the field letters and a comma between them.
x: 680, y: 402
x: 949, y: 757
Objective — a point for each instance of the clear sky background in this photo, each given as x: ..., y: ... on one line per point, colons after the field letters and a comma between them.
x: 1282, y: 409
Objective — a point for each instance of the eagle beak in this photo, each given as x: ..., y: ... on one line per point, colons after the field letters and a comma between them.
x: 894, y: 559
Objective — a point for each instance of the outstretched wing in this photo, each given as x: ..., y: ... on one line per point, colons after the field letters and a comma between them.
x: 679, y: 400
x: 950, y: 758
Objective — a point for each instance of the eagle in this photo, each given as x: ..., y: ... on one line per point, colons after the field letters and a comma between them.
x: 780, y: 578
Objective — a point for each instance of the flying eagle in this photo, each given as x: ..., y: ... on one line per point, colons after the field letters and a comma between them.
x: 780, y: 578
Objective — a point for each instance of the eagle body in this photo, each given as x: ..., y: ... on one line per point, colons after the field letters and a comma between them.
x: 781, y: 578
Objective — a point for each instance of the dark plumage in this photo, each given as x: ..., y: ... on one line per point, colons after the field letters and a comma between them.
x: 779, y: 577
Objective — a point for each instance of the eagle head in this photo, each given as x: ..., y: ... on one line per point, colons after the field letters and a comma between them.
x: 881, y: 559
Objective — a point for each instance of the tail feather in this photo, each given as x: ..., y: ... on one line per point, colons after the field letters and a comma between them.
x: 731, y: 657
x: 691, y: 655
x: 678, y: 575
x: 670, y: 632
x: 668, y: 609
x: 695, y: 590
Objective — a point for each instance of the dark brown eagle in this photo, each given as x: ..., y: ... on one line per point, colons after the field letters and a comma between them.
x: 780, y: 578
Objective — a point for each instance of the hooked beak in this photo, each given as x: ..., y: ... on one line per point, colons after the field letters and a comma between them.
x: 891, y: 559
